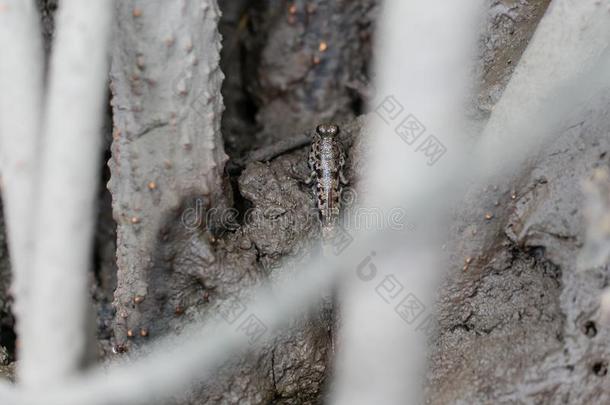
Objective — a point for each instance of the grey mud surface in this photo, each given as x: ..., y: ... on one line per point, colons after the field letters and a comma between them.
x: 518, y: 322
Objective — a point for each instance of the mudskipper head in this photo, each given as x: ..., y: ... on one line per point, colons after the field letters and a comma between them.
x: 327, y: 130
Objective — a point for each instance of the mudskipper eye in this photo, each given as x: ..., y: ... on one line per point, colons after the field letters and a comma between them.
x: 327, y: 130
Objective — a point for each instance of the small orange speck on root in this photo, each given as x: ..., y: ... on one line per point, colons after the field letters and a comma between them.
x: 129, y: 333
x: 135, y: 220
x: 489, y: 216
x: 323, y: 46
x: 137, y: 12
x: 138, y: 299
x: 468, y: 260
x: 143, y: 332
x: 292, y: 9
x: 152, y: 185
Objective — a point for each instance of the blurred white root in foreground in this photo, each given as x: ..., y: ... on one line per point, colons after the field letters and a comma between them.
x: 21, y: 102
x: 425, y: 55
x: 65, y: 220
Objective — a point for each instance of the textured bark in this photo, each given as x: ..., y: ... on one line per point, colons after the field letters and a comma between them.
x: 238, y: 126
x: 167, y: 153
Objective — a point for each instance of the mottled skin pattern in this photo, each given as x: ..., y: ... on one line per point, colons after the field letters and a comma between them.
x: 326, y: 160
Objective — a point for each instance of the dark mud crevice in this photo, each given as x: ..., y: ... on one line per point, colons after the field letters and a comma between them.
x: 238, y: 123
x: 301, y: 55
x: 8, y: 338
x: 47, y: 9
x: 103, y: 259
